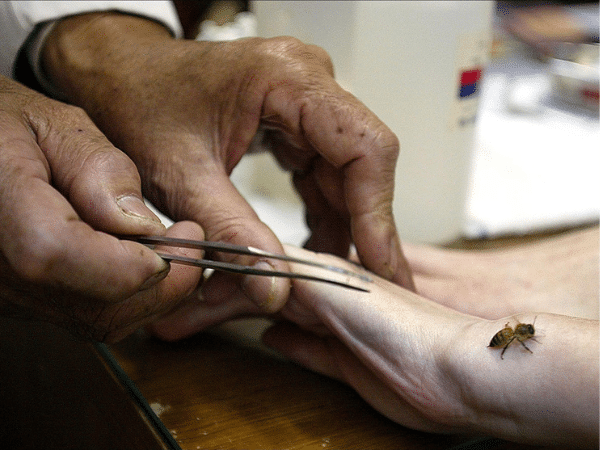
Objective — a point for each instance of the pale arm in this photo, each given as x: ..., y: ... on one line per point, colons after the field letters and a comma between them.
x: 430, y: 367
x: 557, y: 275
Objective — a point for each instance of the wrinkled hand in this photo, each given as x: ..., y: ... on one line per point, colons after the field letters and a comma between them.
x: 63, y: 187
x: 186, y: 112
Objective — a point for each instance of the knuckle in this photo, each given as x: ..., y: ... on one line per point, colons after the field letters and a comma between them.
x: 110, y: 323
x: 103, y: 160
x: 106, y: 326
x: 296, y: 53
x: 103, y: 321
x: 381, y: 143
x: 74, y: 114
x: 389, y: 144
x: 65, y: 127
x: 226, y: 231
x: 43, y: 114
x: 284, y: 45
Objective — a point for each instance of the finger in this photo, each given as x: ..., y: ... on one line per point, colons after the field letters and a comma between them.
x: 46, y: 243
x: 355, y: 141
x: 196, y: 314
x: 326, y: 211
x: 165, y: 296
x: 226, y: 216
x: 100, y: 181
x: 330, y: 228
x: 182, y: 279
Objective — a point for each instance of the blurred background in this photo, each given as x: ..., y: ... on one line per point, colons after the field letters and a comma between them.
x: 495, y: 105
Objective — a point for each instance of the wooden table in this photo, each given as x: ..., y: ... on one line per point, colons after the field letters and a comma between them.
x: 221, y: 390
x: 218, y: 390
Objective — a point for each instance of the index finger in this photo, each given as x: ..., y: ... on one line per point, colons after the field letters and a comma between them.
x: 353, y: 139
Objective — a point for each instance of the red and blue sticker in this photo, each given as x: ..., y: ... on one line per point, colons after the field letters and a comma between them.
x: 469, y: 80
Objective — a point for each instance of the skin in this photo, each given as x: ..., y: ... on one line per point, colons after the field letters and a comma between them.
x: 426, y: 363
x: 58, y: 261
x: 187, y: 111
x: 558, y: 275
x: 429, y: 367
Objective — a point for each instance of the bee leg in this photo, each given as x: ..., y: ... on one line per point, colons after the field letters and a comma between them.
x: 505, y: 347
x: 526, y: 348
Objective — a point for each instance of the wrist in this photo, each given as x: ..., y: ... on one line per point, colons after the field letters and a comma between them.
x: 541, y: 396
x: 464, y: 370
x: 81, y: 50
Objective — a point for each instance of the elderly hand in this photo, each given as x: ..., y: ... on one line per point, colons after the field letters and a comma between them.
x: 63, y: 187
x: 187, y: 111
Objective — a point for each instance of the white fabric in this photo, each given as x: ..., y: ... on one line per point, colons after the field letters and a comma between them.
x: 19, y: 18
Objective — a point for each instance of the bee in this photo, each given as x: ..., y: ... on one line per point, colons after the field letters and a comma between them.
x: 506, y: 335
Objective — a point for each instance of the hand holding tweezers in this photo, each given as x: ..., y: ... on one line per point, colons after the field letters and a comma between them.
x: 152, y: 241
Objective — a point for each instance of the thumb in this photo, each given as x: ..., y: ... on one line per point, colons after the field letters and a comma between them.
x: 226, y: 216
x: 100, y: 181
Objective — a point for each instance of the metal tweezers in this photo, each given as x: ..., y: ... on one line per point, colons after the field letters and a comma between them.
x: 152, y: 241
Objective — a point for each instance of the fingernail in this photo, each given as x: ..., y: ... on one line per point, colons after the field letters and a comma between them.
x: 158, y: 276
x: 134, y: 206
x: 261, y: 289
